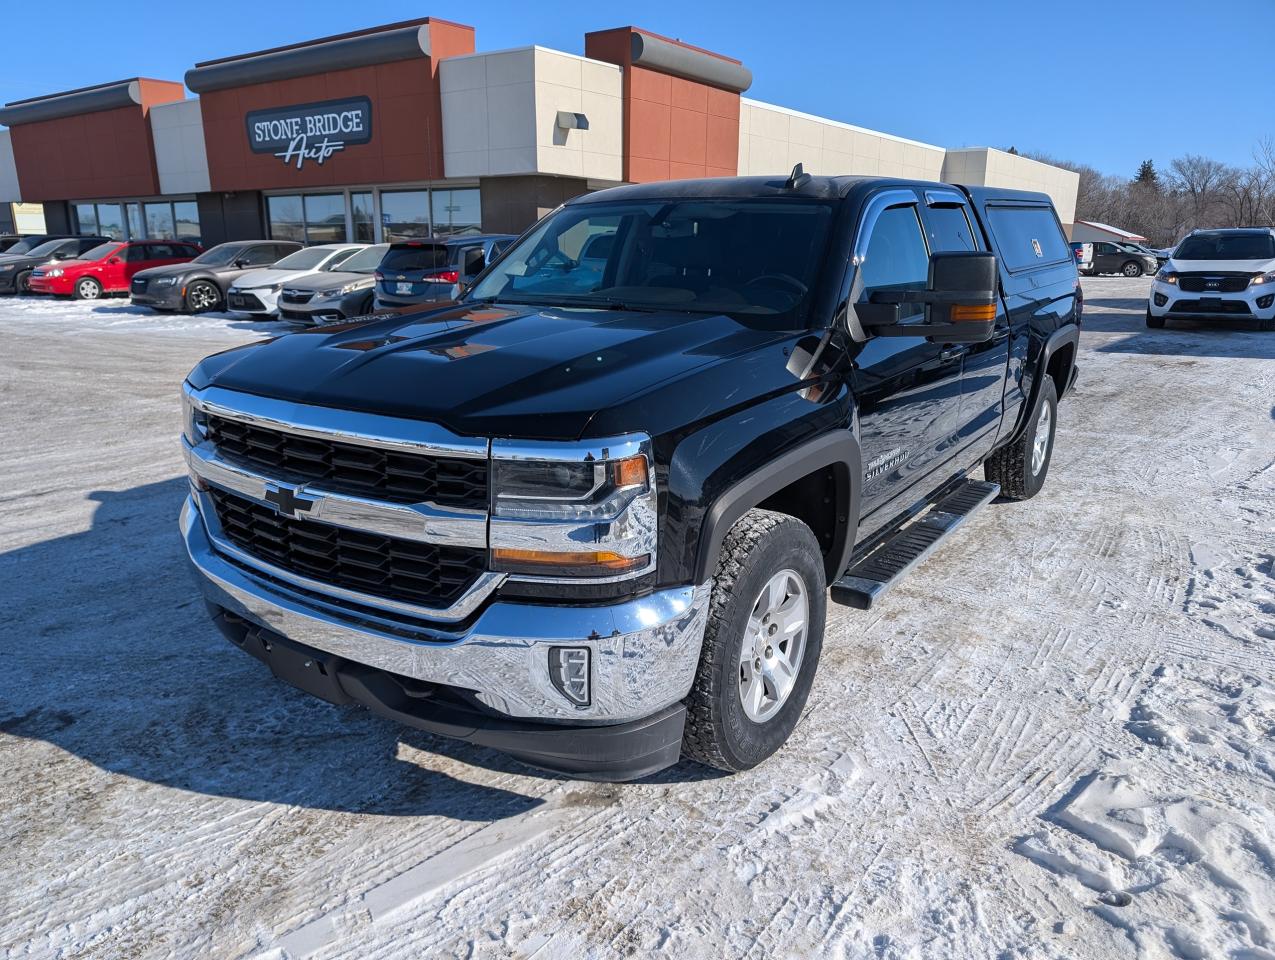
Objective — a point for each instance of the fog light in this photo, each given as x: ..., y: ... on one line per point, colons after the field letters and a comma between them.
x: 1266, y: 301
x: 569, y: 673
x: 1161, y: 299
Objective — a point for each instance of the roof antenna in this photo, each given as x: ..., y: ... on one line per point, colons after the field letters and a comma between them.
x: 798, y: 178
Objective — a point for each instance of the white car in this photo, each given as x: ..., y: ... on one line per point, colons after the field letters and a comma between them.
x: 1218, y: 274
x: 257, y: 293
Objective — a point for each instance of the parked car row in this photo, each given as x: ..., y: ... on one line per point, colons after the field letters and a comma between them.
x: 256, y: 278
x: 1105, y: 256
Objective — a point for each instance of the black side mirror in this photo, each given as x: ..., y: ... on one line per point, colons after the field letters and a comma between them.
x: 959, y: 300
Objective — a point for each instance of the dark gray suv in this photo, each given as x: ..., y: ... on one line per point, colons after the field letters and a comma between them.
x: 427, y: 270
x: 200, y: 285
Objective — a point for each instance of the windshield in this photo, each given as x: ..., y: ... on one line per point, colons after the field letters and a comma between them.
x: 755, y: 257
x: 308, y: 259
x: 221, y: 254
x: 26, y: 245
x: 99, y: 252
x: 44, y: 249
x: 365, y: 261
x: 1228, y: 246
x: 417, y: 256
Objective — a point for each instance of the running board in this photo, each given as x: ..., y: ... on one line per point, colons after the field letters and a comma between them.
x: 869, y: 579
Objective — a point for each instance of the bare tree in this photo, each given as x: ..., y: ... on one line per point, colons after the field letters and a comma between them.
x: 1199, y: 178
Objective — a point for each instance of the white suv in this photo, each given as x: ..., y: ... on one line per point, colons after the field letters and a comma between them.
x: 1218, y: 274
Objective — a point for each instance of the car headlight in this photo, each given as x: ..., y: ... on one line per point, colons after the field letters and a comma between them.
x: 194, y: 420
x: 346, y: 290
x: 1263, y: 278
x: 5, y: 267
x: 1167, y: 276
x: 165, y: 281
x: 574, y: 512
x: 55, y: 272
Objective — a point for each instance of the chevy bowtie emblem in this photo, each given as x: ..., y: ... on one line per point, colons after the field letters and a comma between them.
x: 287, y: 500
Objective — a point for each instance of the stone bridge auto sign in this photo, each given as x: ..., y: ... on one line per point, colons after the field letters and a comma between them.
x: 311, y: 131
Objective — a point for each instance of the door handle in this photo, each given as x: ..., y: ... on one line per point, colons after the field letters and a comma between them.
x: 951, y: 353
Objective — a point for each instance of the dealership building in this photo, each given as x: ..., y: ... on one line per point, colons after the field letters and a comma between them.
x: 407, y: 130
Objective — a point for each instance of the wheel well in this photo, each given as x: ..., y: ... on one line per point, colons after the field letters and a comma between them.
x: 820, y: 500
x: 1059, y: 367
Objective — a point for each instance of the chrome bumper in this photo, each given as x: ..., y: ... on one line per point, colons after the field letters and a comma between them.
x: 644, y: 651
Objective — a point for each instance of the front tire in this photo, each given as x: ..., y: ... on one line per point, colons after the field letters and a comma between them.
x: 22, y: 283
x: 762, y: 644
x: 86, y: 288
x: 202, y: 296
x: 1132, y: 269
x: 1153, y: 322
x: 1020, y: 467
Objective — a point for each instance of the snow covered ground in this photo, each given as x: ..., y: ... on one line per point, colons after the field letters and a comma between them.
x: 1056, y: 740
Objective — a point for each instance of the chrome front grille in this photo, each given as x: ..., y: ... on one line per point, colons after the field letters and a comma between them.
x: 352, y: 468
x: 390, y: 568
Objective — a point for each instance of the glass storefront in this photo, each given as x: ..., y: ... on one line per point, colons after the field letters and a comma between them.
x: 403, y: 215
x: 157, y: 220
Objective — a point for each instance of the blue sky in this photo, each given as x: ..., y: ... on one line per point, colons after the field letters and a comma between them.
x: 1102, y: 83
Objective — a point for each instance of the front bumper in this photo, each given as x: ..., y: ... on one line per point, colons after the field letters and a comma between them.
x: 644, y: 652
x: 325, y: 310
x: 255, y: 301
x: 1257, y: 302
x: 165, y: 298
x: 58, y: 286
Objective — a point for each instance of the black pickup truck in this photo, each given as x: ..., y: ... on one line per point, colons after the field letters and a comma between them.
x: 591, y: 513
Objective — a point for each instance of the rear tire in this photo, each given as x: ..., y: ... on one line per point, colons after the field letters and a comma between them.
x: 762, y: 644
x: 1154, y: 323
x: 86, y: 288
x: 1131, y: 269
x: 1020, y: 467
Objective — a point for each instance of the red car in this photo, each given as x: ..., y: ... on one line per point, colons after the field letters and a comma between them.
x: 108, y: 268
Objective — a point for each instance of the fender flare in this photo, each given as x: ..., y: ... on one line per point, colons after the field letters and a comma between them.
x: 839, y: 450
x: 1069, y: 333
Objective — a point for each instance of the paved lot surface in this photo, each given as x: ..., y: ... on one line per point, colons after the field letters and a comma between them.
x: 1056, y: 740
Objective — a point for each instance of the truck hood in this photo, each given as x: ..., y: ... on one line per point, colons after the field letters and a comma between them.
x: 524, y: 372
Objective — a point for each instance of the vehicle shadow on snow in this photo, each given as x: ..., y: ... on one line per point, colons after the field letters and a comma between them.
x: 111, y: 656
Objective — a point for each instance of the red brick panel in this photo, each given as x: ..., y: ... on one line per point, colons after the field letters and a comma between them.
x: 673, y: 128
x: 407, y: 123
x: 105, y: 154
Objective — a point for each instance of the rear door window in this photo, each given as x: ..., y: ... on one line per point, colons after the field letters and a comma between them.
x: 1027, y: 237
x: 413, y: 256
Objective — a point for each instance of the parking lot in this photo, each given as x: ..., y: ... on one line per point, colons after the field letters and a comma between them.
x: 1054, y: 740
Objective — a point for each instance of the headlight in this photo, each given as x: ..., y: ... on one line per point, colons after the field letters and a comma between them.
x: 347, y: 289
x: 5, y: 267
x: 1167, y: 276
x: 55, y: 272
x: 165, y: 281
x: 1262, y: 278
x: 570, y: 512
x: 194, y: 420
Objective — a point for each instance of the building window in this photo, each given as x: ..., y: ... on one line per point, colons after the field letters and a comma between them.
x: 110, y: 221
x: 186, y: 217
x: 363, y: 214
x: 86, y: 219
x: 456, y: 212
x: 404, y: 215
x: 136, y: 226
x: 286, y: 221
x: 325, y: 218
x: 159, y: 221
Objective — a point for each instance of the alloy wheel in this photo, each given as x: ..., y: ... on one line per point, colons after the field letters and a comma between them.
x: 202, y: 296
x: 89, y: 290
x: 1040, y: 444
x: 773, y: 646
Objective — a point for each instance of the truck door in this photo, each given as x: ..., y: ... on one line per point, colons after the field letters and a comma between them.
x: 908, y: 389
x: 949, y: 225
